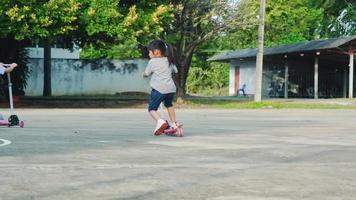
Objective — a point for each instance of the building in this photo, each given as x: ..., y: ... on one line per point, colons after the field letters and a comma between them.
x: 314, y: 69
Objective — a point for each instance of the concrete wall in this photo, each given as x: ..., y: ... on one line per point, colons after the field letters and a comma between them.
x: 82, y: 77
x: 232, y: 89
x: 37, y: 52
x: 247, y: 76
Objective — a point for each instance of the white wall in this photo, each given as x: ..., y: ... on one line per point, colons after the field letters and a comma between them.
x: 81, y: 77
x: 232, y: 89
x: 247, y: 75
x: 37, y: 52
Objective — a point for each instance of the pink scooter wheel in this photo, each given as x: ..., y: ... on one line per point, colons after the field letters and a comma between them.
x: 180, y: 132
x: 22, y: 124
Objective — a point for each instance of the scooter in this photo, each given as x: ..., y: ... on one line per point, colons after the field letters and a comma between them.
x: 13, y: 120
x: 170, y: 130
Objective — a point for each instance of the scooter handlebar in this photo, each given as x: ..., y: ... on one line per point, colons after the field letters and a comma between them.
x: 5, y: 65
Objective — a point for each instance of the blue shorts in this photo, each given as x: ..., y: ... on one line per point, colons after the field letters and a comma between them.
x: 156, y: 98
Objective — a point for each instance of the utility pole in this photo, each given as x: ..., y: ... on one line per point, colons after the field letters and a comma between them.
x: 259, y: 60
x: 351, y: 74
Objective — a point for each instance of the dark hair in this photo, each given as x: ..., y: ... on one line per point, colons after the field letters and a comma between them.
x: 164, y: 48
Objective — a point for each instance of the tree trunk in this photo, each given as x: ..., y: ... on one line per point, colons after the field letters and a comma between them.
x: 47, y: 88
x: 180, y: 95
x: 180, y: 84
x: 183, y: 69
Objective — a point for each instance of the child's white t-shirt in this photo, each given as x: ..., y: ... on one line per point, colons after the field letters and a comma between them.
x: 161, y: 71
x: 2, y: 70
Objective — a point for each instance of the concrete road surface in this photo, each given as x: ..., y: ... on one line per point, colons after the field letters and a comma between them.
x: 110, y: 154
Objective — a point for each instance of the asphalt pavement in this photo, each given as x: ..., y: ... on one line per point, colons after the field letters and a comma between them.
x: 111, y: 154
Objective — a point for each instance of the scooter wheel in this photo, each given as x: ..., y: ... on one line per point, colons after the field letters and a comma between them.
x: 22, y: 124
x: 180, y: 132
x: 13, y: 120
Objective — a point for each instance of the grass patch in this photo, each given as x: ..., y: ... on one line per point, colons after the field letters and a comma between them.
x: 224, y: 91
x: 245, y: 104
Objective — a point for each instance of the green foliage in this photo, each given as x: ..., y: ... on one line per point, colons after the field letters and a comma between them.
x: 32, y: 19
x: 38, y: 21
x: 196, y: 22
x: 213, y: 79
x: 103, y: 28
x: 128, y: 49
x: 114, y: 30
x: 339, y: 17
x: 207, y: 78
x: 291, y: 21
x: 286, y: 22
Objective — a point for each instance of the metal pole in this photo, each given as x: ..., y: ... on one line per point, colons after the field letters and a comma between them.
x: 316, y: 77
x: 259, y: 60
x: 286, y: 78
x: 10, y: 89
x: 345, y: 83
x: 10, y: 94
x: 351, y: 75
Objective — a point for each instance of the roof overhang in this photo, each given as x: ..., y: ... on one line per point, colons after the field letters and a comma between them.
x: 341, y: 44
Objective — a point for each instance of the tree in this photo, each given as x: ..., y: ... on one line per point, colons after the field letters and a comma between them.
x: 286, y: 22
x: 103, y: 28
x: 196, y: 22
x: 338, y: 17
x: 40, y: 21
x: 121, y: 28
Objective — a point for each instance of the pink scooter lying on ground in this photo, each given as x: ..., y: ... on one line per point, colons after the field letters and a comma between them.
x: 170, y: 131
x: 13, y: 119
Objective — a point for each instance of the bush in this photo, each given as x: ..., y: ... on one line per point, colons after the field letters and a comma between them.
x: 210, y: 81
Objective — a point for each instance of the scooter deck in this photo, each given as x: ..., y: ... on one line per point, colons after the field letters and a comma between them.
x: 178, y: 132
x: 7, y: 123
x: 4, y: 123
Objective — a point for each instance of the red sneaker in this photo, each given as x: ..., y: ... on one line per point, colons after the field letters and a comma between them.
x: 160, y: 127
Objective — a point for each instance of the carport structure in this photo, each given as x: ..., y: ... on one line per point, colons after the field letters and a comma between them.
x: 313, y: 69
